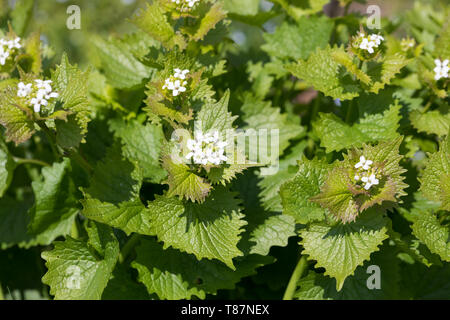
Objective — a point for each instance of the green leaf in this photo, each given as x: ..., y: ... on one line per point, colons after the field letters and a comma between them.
x: 435, y: 177
x: 296, y: 192
x: 435, y: 236
x: 316, y: 286
x: 384, y: 72
x: 14, y: 220
x: 7, y: 166
x: 442, y: 44
x: 122, y: 286
x: 336, y: 196
x: 209, y: 230
x: 342, y: 195
x: 113, y: 195
x: 142, y: 144
x: 71, y: 84
x: 21, y: 16
x: 297, y: 9
x: 336, y: 135
x: 16, y: 120
x: 153, y: 20
x: 270, y: 184
x: 121, y: 68
x: 260, y: 115
x: 323, y: 73
x: 274, y: 231
x: 265, y: 229
x: 214, y: 116
x: 183, y: 182
x: 249, y: 7
x: 298, y: 41
x: 423, y: 283
x: 79, y: 270
x: 431, y: 122
x: 33, y: 49
x: 341, y: 248
x: 174, y: 275
x: 56, y: 205
x: 209, y: 21
x: 346, y: 60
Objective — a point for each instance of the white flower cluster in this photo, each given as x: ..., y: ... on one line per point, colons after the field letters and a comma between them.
x: 177, y: 82
x: 206, y: 149
x: 441, y: 70
x: 7, y: 47
x: 186, y: 5
x: 370, y: 42
x: 365, y: 173
x: 37, y: 94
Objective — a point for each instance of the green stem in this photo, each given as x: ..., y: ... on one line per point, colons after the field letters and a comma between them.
x: 20, y: 161
x: 296, y: 275
x: 348, y: 116
x: 51, y: 138
x: 316, y: 107
x: 1, y: 292
x: 129, y: 246
x: 74, y: 231
x: 427, y: 106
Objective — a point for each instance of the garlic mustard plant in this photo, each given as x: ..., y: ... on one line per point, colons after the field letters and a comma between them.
x: 224, y: 149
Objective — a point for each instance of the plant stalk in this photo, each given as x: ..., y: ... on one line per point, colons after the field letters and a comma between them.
x: 296, y: 275
x: 129, y: 246
x: 51, y: 139
x: 20, y: 161
x: 74, y: 231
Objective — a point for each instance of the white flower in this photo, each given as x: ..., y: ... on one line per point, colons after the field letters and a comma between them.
x: 180, y: 74
x: 24, y: 89
x: 370, y: 42
x: 38, y: 93
x: 365, y: 164
x: 176, y: 83
x: 14, y: 43
x: 206, y: 149
x: 3, y: 56
x: 365, y: 174
x: 37, y: 102
x: 441, y: 70
x: 7, y: 47
x: 370, y: 181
